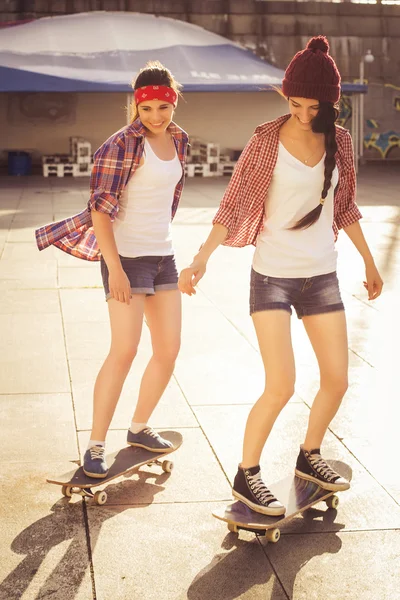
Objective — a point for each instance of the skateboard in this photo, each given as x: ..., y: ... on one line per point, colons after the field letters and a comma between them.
x: 298, y: 495
x: 127, y: 460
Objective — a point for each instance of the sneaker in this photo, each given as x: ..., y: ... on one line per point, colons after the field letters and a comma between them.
x: 94, y: 462
x: 250, y: 489
x: 149, y: 439
x: 310, y: 465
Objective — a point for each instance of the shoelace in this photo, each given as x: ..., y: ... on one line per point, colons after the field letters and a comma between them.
x: 97, y: 452
x: 260, y: 489
x: 322, y: 467
x: 151, y: 432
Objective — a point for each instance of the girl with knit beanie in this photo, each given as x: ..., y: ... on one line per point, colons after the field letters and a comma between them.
x: 293, y: 188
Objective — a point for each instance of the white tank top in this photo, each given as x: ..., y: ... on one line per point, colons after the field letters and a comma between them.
x: 294, y: 191
x: 143, y: 223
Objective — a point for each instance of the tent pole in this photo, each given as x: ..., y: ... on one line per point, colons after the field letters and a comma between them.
x: 128, y: 106
x: 355, y: 127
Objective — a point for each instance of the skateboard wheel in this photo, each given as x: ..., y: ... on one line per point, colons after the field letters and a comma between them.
x: 332, y: 502
x: 232, y: 528
x: 66, y: 490
x: 100, y: 498
x: 273, y: 535
x: 167, y: 466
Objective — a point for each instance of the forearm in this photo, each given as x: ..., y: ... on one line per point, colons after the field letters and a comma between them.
x: 216, y: 237
x: 356, y: 235
x: 105, y: 238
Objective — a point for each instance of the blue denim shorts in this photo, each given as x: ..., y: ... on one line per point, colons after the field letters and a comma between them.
x: 146, y: 274
x: 308, y: 296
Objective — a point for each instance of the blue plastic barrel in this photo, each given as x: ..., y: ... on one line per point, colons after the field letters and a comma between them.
x: 19, y: 163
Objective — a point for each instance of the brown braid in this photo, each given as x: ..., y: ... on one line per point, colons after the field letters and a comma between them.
x: 324, y: 122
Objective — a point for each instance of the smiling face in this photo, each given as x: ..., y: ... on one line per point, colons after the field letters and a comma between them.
x: 303, y: 111
x: 156, y: 115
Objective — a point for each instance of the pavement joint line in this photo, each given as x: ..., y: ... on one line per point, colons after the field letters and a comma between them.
x: 171, y: 503
x: 361, y: 357
x: 329, y: 531
x: 89, y: 548
x: 264, y: 551
x: 230, y: 322
x: 201, y: 429
x: 84, y: 508
x: 156, y: 428
x: 341, y: 441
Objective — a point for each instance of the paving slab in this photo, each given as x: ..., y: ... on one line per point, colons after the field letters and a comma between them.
x: 33, y: 354
x: 184, y: 552
x: 31, y: 415
x: 27, y: 251
x: 33, y: 302
x: 196, y: 476
x: 360, y: 507
x: 20, y: 274
x: 43, y: 545
x: 191, y: 562
x: 214, y: 358
x: 340, y: 566
x: 86, y: 276
x: 172, y: 411
x: 83, y: 305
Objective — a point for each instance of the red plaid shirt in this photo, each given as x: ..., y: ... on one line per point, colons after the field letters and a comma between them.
x: 242, y: 207
x: 114, y: 164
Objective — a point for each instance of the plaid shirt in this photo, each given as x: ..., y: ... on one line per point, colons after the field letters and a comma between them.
x: 114, y: 164
x: 242, y: 207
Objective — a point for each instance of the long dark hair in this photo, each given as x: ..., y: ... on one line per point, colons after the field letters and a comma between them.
x: 324, y: 122
x: 154, y: 73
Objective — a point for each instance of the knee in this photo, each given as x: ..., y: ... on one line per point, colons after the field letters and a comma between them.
x: 168, y: 353
x: 280, y: 395
x: 123, y: 356
x: 335, y: 385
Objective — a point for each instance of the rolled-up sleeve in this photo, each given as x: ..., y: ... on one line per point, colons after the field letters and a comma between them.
x: 105, y: 180
x: 226, y: 210
x: 347, y: 211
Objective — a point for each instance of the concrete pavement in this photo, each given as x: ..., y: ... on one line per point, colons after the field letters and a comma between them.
x: 155, y: 538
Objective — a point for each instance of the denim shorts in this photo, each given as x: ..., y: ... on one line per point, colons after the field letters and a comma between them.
x: 146, y: 274
x: 308, y: 296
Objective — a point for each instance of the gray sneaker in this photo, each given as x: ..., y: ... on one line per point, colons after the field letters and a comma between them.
x: 94, y: 462
x: 148, y: 439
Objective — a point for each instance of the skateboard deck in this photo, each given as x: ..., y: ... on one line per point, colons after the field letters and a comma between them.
x: 126, y: 460
x: 298, y: 495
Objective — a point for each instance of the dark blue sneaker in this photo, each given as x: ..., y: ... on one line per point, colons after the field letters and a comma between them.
x: 94, y: 462
x: 149, y: 439
x: 311, y: 466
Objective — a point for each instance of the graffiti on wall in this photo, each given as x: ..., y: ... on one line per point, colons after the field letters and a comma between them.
x: 384, y: 143
x: 345, y: 110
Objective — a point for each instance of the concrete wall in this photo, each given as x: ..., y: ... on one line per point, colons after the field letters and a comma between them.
x: 275, y: 30
x: 228, y: 119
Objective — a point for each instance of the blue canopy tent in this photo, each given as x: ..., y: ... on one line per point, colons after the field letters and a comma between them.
x: 102, y: 51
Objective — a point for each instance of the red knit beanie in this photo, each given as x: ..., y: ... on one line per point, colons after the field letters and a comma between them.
x: 313, y: 73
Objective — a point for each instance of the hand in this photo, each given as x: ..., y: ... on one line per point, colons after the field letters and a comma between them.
x: 190, y: 276
x: 119, y: 284
x: 374, y: 283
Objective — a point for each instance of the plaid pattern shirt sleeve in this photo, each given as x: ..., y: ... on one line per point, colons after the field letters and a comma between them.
x: 345, y: 207
x: 228, y: 207
x: 105, y: 180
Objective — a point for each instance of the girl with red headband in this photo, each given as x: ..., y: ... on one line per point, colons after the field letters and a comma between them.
x: 292, y: 189
x: 135, y: 188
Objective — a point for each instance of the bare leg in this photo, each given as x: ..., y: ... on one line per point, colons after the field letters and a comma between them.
x: 163, y: 316
x: 273, y: 333
x: 328, y: 336
x: 126, y: 327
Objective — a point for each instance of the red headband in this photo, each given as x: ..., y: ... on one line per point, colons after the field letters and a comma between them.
x: 155, y: 92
